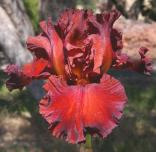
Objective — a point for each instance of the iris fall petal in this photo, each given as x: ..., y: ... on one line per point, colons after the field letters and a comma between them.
x: 72, y: 111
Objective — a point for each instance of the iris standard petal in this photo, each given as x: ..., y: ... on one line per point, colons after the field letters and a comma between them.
x: 57, y: 53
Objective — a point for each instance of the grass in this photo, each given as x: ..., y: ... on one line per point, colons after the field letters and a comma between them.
x: 136, y: 131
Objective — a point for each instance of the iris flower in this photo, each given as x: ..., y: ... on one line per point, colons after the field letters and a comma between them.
x: 73, y: 56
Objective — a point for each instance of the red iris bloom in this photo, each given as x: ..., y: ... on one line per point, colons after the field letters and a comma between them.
x: 74, y: 56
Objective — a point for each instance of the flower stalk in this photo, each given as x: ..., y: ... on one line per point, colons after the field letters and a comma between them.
x: 87, y: 147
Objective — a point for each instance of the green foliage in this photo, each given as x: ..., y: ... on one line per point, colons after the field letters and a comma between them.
x: 32, y: 8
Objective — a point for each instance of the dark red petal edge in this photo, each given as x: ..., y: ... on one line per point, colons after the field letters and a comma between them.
x: 72, y: 111
x: 146, y: 62
x: 18, y: 78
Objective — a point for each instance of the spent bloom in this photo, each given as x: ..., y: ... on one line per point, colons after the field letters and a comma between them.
x: 73, y: 56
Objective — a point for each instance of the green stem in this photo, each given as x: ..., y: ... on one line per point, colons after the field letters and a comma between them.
x: 87, y: 147
x: 88, y: 144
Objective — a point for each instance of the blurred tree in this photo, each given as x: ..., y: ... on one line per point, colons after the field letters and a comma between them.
x: 107, y: 5
x: 150, y: 10
x: 131, y: 8
x: 15, y: 27
x: 121, y: 5
x: 135, y: 9
x: 53, y: 8
x: 88, y: 4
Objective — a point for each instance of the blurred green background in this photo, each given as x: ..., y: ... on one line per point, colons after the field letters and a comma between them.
x: 23, y: 130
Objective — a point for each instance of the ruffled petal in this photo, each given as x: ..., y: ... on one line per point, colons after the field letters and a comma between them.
x: 103, y: 105
x: 144, y: 65
x: 18, y: 78
x: 62, y: 107
x: 72, y: 111
x: 102, y: 42
x: 80, y: 29
x: 146, y: 62
x: 57, y: 53
x: 120, y: 60
x: 77, y: 33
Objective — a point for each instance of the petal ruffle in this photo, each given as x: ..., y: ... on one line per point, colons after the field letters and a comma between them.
x: 103, y: 43
x: 72, y: 111
x: 22, y: 77
x: 17, y: 79
x: 144, y: 65
x: 89, y: 40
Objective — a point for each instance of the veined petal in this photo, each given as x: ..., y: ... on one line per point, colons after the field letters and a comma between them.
x: 98, y: 48
x: 72, y: 111
x: 102, y: 41
x: 48, y: 45
x: 103, y: 105
x: 62, y: 107
x: 57, y: 53
x: 108, y: 21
